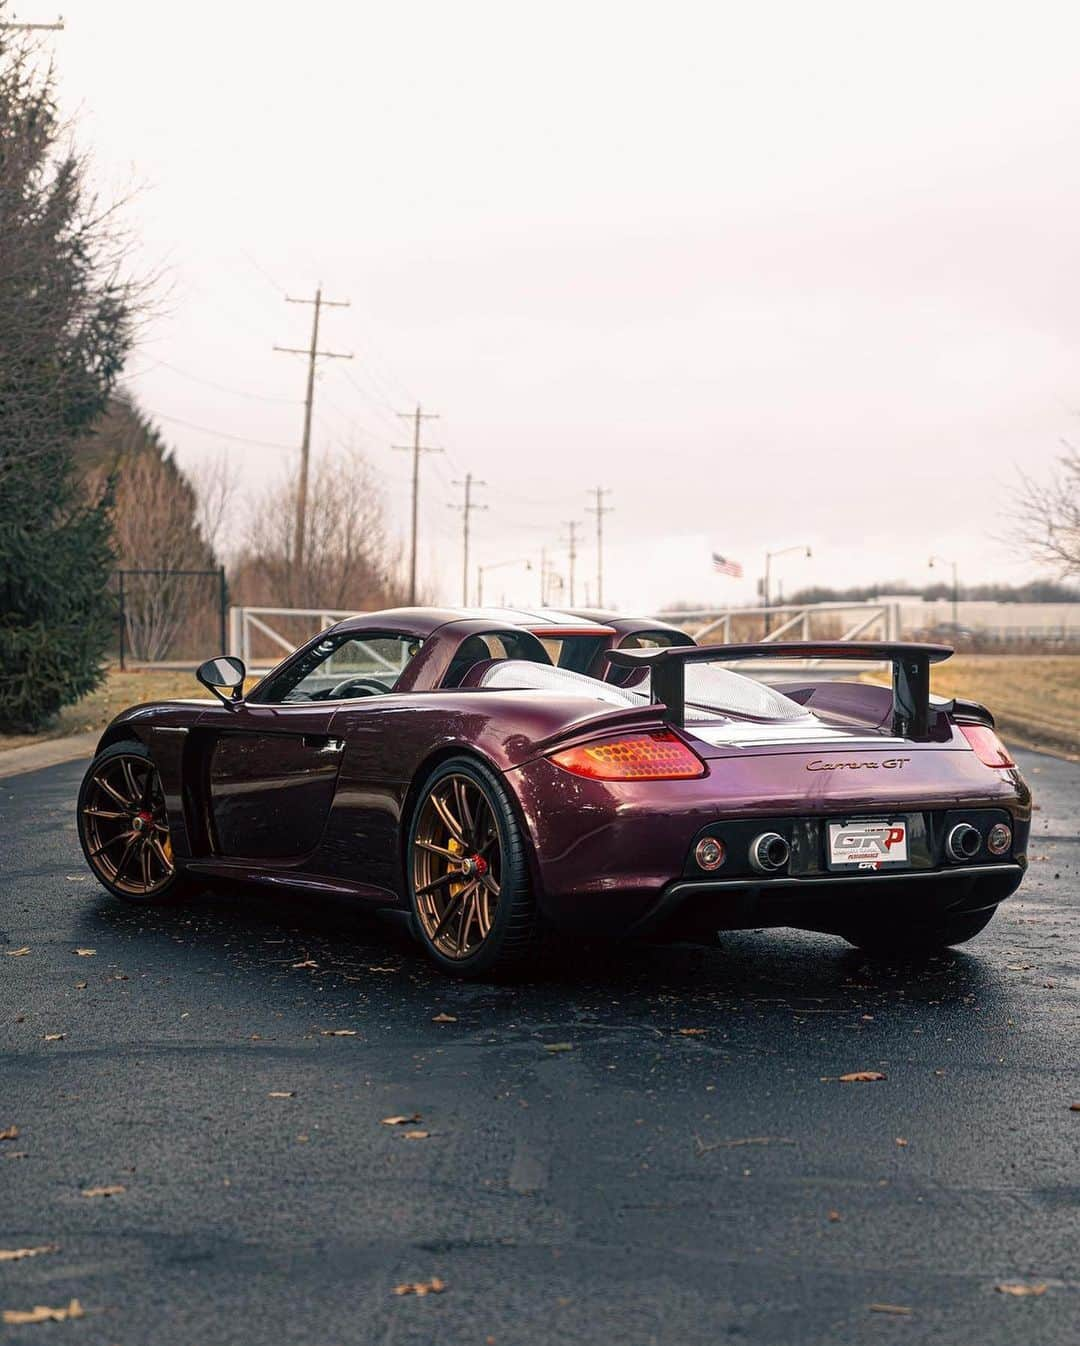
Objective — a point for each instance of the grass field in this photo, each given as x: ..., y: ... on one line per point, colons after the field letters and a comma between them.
x: 116, y: 693
x: 1035, y: 698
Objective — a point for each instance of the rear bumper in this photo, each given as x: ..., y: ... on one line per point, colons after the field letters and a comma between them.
x: 699, y: 906
x: 616, y: 858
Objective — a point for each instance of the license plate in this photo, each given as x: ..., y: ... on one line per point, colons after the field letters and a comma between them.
x: 869, y: 843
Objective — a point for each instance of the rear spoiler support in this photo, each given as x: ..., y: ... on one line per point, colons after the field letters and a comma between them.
x: 910, y: 671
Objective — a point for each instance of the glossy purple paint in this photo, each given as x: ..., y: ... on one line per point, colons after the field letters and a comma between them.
x: 318, y: 795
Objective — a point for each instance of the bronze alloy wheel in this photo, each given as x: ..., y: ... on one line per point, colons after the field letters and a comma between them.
x: 456, y: 866
x: 124, y: 827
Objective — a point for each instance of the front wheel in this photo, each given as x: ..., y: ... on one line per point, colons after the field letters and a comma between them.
x: 890, y: 938
x: 469, y: 883
x: 124, y: 827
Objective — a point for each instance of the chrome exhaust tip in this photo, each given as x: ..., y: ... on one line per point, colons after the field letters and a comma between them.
x: 769, y: 852
x: 963, y: 842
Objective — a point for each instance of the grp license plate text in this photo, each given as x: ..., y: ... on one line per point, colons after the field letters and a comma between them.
x: 876, y: 843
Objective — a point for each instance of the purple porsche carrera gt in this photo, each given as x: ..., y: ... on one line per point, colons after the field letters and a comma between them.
x: 484, y: 775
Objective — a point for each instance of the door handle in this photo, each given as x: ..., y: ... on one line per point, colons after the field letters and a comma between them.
x: 323, y: 743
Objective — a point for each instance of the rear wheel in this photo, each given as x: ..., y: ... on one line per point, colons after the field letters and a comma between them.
x: 124, y: 827
x: 893, y: 937
x: 469, y: 884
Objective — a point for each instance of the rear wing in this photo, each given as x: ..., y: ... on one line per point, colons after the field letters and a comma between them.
x: 910, y: 671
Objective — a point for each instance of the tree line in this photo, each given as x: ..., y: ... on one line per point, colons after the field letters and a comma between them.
x: 88, y: 486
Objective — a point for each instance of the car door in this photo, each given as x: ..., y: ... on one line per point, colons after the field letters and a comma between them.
x: 271, y: 772
x: 272, y: 763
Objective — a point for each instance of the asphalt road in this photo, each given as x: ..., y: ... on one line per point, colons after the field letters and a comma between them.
x: 681, y: 1174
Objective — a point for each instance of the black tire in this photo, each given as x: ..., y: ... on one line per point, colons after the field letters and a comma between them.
x: 886, y: 939
x: 102, y: 818
x: 512, y: 933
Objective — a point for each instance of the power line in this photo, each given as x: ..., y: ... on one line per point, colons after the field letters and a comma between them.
x: 221, y: 434
x: 219, y: 387
x: 466, y: 508
x: 416, y: 449
x: 599, y: 509
x: 313, y: 353
x: 265, y: 274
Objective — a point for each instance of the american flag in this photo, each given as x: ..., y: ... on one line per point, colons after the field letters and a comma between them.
x: 723, y: 566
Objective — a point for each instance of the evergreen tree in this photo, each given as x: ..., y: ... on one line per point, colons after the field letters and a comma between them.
x: 65, y: 328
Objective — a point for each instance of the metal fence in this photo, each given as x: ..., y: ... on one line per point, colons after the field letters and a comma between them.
x: 806, y: 621
x: 263, y: 636
x: 169, y: 618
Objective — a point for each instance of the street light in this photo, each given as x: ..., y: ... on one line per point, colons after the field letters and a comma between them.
x: 496, y: 565
x: 783, y: 551
x: 955, y: 589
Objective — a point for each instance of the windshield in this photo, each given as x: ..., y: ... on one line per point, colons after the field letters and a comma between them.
x: 710, y: 690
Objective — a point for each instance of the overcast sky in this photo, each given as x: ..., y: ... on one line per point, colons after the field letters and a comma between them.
x: 775, y: 273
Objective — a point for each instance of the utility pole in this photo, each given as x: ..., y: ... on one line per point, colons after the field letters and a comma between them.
x: 573, y: 526
x: 599, y: 509
x: 416, y: 449
x: 940, y: 560
x: 313, y: 353
x: 466, y: 509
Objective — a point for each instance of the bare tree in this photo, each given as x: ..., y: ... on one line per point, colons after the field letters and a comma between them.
x: 215, y: 482
x: 348, y: 561
x: 155, y: 517
x: 1047, y: 515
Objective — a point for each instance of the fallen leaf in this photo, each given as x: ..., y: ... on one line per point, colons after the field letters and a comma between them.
x: 835, y: 1216
x: 86, y: 953
x: 10, y: 1133
x: 857, y: 1077
x: 80, y: 985
x: 444, y: 1019
x: 281, y: 1093
x: 104, y: 1191
x: 693, y: 1032
x: 401, y: 1121
x: 431, y: 1287
x: 890, y: 1308
x: 41, y: 1313
x: 54, y: 1037
x: 558, y: 1046
x: 307, y: 962
x: 337, y: 1032
x: 900, y: 1140
x: 417, y: 1135
x: 1018, y: 1288
x: 18, y: 953
x: 1074, y: 1107
x: 17, y: 1254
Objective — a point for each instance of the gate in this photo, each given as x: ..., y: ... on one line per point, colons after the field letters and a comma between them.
x: 170, y: 618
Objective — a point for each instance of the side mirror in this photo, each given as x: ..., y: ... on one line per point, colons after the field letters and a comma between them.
x: 223, y: 672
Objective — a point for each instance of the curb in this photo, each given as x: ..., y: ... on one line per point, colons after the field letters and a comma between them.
x: 53, y: 751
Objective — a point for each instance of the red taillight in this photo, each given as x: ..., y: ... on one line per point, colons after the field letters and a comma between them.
x: 986, y: 745
x: 656, y: 756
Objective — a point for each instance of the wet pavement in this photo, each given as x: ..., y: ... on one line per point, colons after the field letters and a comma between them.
x: 634, y: 1145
